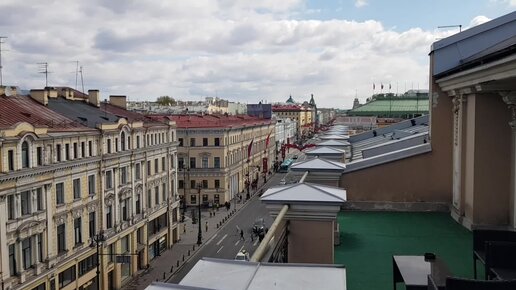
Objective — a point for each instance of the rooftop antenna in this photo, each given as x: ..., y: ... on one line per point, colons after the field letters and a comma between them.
x: 1, y: 41
x: 82, y: 79
x: 76, y: 73
x: 43, y: 69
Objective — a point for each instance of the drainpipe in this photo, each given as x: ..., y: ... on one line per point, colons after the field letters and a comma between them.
x: 303, y: 177
x: 258, y: 254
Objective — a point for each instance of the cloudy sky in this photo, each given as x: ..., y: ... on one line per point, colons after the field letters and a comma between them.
x: 241, y: 50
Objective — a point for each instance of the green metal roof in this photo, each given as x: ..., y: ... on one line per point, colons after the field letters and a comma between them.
x: 394, y: 106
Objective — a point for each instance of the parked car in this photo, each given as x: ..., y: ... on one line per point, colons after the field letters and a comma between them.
x: 242, y: 256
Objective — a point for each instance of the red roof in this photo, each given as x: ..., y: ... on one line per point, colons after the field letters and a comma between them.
x: 15, y: 109
x: 212, y: 121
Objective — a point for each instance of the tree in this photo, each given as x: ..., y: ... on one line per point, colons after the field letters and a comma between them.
x: 166, y: 101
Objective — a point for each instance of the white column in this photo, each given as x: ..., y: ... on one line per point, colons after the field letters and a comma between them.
x: 4, y: 251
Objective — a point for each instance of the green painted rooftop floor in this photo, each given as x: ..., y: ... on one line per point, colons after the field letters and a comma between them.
x: 370, y: 239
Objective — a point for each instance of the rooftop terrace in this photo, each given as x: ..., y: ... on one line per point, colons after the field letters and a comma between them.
x: 369, y: 239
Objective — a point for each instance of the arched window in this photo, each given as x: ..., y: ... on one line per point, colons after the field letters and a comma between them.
x: 122, y: 141
x: 25, y: 154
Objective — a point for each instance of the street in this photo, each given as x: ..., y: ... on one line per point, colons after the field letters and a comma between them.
x: 226, y: 242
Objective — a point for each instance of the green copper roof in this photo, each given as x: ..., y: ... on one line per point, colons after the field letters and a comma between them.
x: 290, y: 100
x: 394, y: 106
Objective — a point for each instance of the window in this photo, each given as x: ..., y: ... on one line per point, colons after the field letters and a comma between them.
x: 138, y: 204
x: 204, y: 198
x: 149, y: 198
x: 156, y: 165
x: 42, y: 286
x: 27, y: 253
x: 25, y: 201
x: 108, y: 145
x: 163, y: 166
x: 90, y: 148
x: 192, y: 183
x: 67, y: 151
x: 193, y: 199
x: 123, y: 175
x: 124, y: 242
x: 205, y: 184
x: 125, y: 209
x: 216, y: 199
x: 109, y: 217
x: 111, y: 252
x: 91, y: 184
x: 217, y: 142
x: 75, y: 151
x: 148, y: 168
x: 76, y: 188
x: 25, y: 154
x: 39, y: 199
x: 40, y: 247
x: 77, y: 230
x: 87, y: 264
x: 83, y: 149
x: 39, y: 155
x: 60, y: 193
x: 180, y: 140
x: 137, y: 171
x: 216, y: 162
x: 129, y: 142
x: 205, y: 162
x: 116, y: 144
x: 58, y: 152
x: 137, y: 141
x: 181, y: 162
x: 205, y: 142
x: 181, y: 184
x: 122, y: 141
x: 12, y: 260
x: 217, y: 183
x: 66, y: 277
x: 192, y: 162
x: 192, y: 142
x: 164, y: 191
x: 92, y: 224
x: 109, y: 179
x: 61, y: 238
x: 10, y: 207
x: 10, y: 159
x: 156, y: 194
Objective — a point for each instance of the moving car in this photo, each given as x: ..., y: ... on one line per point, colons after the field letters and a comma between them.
x: 259, y: 227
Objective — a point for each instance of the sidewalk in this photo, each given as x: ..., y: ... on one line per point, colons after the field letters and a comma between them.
x: 170, y: 261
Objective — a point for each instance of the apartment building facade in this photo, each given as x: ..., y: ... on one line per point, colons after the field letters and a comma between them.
x: 74, y: 175
x: 213, y: 155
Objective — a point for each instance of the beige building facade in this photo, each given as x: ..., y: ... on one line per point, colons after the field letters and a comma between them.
x: 69, y: 181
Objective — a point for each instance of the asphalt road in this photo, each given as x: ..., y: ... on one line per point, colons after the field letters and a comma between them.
x: 226, y: 243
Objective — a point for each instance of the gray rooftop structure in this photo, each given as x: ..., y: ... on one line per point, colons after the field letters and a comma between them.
x: 318, y: 164
x: 305, y: 192
x: 475, y: 45
x: 82, y: 112
x: 242, y: 275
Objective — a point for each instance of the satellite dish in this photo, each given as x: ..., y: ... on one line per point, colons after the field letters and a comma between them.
x: 9, y: 91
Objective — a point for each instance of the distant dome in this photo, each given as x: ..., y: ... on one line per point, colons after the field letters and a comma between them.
x: 290, y: 100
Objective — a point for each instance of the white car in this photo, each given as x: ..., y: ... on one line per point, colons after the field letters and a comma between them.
x: 242, y: 256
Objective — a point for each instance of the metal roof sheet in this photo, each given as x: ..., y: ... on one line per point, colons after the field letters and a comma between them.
x: 319, y: 164
x: 305, y: 192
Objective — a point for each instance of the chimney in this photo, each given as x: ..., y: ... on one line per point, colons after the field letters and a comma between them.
x: 40, y: 96
x: 119, y: 101
x: 68, y: 93
x: 94, y: 97
x: 51, y: 92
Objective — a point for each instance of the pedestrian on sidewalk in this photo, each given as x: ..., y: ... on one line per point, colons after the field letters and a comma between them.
x: 206, y: 225
x: 242, y: 235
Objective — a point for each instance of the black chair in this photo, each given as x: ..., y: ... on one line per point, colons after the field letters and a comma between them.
x: 501, y: 260
x: 453, y: 283
x: 480, y: 237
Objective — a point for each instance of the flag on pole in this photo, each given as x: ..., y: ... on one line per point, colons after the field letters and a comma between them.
x: 249, y: 148
x: 268, y: 140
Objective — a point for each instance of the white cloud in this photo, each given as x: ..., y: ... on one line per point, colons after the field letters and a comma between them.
x: 479, y: 20
x: 361, y: 3
x: 237, y: 49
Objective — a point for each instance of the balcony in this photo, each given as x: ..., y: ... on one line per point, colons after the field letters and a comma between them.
x: 369, y: 239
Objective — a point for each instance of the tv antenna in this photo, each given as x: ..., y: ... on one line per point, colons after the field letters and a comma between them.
x: 82, y: 79
x: 450, y: 26
x: 43, y: 69
x: 1, y: 41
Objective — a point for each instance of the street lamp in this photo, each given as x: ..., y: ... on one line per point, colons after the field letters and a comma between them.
x: 199, y: 235
x: 97, y: 240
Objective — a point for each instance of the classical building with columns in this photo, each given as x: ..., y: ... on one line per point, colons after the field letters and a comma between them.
x: 213, y: 155
x: 75, y: 173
